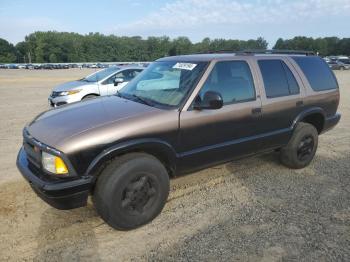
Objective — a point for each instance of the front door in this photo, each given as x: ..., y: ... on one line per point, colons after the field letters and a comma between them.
x: 213, y: 136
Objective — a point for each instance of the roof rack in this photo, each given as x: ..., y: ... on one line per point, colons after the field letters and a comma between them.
x: 223, y: 51
x: 275, y: 51
x: 260, y: 51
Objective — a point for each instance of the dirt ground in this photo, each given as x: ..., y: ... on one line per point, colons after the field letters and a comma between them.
x: 248, y: 210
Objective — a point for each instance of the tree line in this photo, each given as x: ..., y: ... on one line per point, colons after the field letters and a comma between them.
x: 325, y: 46
x: 53, y: 47
x: 63, y: 47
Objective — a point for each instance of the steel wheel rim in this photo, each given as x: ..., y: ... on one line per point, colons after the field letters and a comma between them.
x: 139, y: 195
x: 305, y: 148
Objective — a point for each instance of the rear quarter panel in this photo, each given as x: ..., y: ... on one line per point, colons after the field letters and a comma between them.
x: 328, y: 100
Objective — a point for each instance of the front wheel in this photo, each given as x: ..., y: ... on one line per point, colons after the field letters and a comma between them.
x: 131, y: 191
x: 301, y: 148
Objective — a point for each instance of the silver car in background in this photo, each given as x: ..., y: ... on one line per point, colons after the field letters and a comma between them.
x: 338, y: 65
x: 104, y: 82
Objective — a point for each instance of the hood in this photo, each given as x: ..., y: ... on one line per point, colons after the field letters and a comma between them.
x: 72, y: 85
x: 57, y: 125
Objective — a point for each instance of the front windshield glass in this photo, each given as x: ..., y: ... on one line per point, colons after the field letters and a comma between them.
x: 100, y: 74
x: 164, y: 84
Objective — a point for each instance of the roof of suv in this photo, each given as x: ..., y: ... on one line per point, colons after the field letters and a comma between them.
x: 196, y: 57
x: 204, y: 57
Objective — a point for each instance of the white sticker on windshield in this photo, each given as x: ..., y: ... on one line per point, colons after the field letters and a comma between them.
x: 185, y: 66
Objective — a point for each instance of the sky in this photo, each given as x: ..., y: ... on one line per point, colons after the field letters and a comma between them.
x: 196, y: 19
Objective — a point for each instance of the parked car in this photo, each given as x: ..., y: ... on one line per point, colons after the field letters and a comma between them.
x: 37, y: 66
x: 12, y: 66
x: 73, y: 66
x: 346, y: 61
x: 29, y: 66
x: 338, y: 65
x: 182, y: 114
x: 47, y: 66
x: 101, y: 83
x: 99, y: 65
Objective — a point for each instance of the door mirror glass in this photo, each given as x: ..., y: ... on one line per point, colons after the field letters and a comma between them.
x: 118, y: 80
x: 211, y: 100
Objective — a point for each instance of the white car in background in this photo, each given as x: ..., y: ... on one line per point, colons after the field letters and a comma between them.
x: 104, y: 82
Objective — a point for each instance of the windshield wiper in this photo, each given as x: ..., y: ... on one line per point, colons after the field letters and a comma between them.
x: 142, y: 100
x: 119, y: 94
x: 138, y: 98
x: 85, y: 80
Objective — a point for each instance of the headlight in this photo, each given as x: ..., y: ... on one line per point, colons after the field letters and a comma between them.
x: 67, y: 93
x: 53, y: 164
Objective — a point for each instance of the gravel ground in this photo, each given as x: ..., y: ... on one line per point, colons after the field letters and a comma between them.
x: 248, y: 210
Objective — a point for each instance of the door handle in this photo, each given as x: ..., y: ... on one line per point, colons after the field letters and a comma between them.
x: 256, y: 111
x: 299, y: 103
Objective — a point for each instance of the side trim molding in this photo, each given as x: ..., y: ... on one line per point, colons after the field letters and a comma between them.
x: 236, y: 141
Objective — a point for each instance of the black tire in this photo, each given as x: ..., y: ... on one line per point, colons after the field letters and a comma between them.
x: 301, y: 148
x: 88, y: 97
x: 342, y: 68
x: 131, y: 191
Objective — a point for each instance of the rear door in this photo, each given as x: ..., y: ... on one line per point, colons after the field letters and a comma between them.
x: 282, y: 97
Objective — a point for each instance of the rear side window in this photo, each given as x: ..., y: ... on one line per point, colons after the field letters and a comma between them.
x: 317, y: 72
x: 278, y: 79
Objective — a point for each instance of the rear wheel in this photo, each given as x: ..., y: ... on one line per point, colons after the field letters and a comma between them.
x: 301, y: 148
x: 131, y: 191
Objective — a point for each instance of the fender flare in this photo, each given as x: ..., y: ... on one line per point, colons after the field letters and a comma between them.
x: 309, y: 111
x: 152, y: 146
x: 90, y: 94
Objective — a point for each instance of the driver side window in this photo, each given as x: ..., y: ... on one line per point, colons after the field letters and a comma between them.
x: 127, y: 75
x: 232, y: 80
x: 110, y: 80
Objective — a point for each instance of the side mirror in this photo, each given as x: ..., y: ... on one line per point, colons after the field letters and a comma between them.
x: 118, y: 80
x: 211, y: 100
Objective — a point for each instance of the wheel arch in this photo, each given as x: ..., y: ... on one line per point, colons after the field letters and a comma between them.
x: 90, y: 94
x: 315, y: 116
x: 162, y: 150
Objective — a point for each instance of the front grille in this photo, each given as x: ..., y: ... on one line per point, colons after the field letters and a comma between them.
x: 33, y: 152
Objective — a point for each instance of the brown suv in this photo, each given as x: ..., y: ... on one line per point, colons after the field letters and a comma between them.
x: 182, y: 114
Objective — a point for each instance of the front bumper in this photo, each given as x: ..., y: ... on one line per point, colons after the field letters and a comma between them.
x: 62, y: 100
x: 59, y: 193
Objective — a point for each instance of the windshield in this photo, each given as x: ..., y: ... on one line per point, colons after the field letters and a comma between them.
x: 164, y: 84
x: 100, y: 74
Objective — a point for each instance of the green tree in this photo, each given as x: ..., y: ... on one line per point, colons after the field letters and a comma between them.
x: 323, y: 46
x: 53, y: 58
x: 8, y: 53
